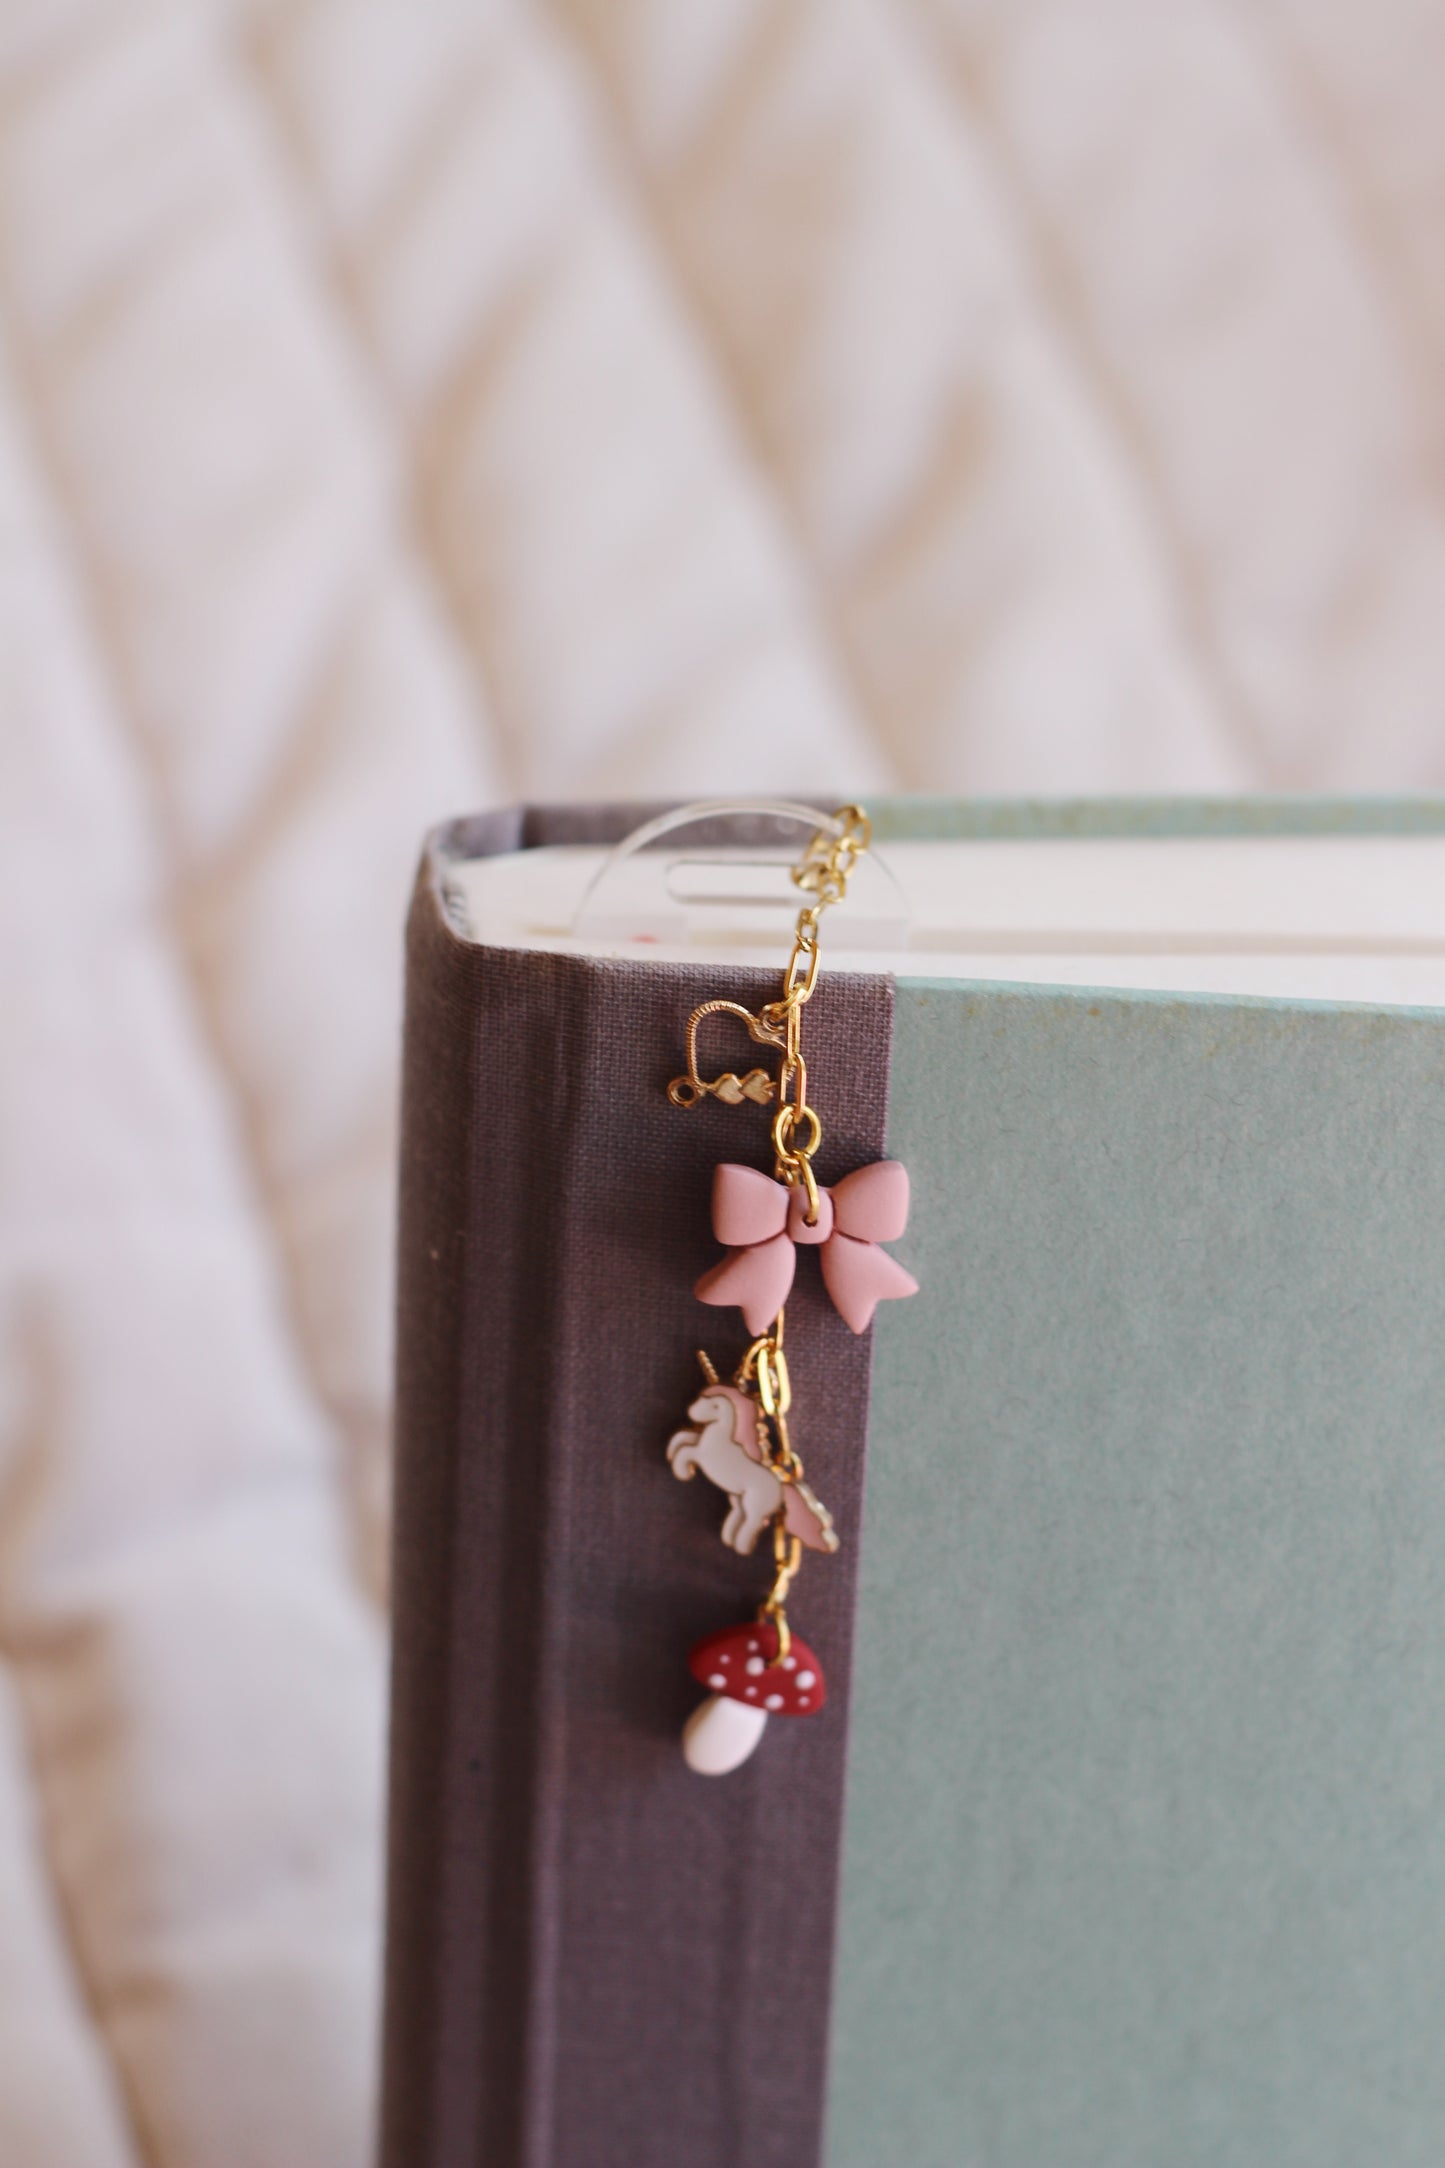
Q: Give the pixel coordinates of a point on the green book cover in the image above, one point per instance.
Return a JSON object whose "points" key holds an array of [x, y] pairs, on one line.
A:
{"points": [[1145, 1841]]}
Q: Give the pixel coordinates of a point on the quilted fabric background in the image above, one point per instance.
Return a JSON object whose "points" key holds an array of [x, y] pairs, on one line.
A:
{"points": [[408, 405]]}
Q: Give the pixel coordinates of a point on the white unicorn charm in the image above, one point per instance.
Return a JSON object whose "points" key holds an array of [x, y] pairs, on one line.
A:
{"points": [[729, 1446]]}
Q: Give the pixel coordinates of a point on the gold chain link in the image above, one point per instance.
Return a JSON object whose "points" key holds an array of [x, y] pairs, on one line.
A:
{"points": [[787, 1557], [766, 1362], [822, 872]]}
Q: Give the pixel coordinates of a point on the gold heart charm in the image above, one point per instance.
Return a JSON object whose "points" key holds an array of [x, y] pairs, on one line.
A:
{"points": [[757, 1085]]}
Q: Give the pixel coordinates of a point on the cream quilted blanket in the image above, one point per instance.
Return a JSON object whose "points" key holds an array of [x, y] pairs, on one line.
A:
{"points": [[406, 405]]}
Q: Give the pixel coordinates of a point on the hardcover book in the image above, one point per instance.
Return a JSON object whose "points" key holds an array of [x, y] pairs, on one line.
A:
{"points": [[1121, 1838]]}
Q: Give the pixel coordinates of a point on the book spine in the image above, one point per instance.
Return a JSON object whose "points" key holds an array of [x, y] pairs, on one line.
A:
{"points": [[593, 1954]]}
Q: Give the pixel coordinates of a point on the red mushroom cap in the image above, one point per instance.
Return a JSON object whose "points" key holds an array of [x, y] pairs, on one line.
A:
{"points": [[738, 1662]]}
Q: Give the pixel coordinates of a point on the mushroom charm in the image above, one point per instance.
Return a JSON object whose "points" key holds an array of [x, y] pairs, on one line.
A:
{"points": [[748, 1685]]}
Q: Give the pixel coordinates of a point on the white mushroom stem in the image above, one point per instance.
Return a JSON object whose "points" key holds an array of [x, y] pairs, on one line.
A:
{"points": [[720, 1734]]}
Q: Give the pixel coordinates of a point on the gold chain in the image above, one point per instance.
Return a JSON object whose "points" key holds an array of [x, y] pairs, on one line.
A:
{"points": [[822, 874], [766, 1362]]}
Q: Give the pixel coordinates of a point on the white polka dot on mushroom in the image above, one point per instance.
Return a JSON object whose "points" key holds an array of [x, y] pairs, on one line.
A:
{"points": [[717, 1680], [774, 1701], [790, 1663], [805, 1678], [756, 1666]]}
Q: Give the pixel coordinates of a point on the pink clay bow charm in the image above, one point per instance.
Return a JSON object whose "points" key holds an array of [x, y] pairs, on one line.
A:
{"points": [[761, 1220]]}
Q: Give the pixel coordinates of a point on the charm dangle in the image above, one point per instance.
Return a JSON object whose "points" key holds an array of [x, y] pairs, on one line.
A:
{"points": [[744, 1448], [737, 1434], [748, 1682], [761, 1220], [686, 1090]]}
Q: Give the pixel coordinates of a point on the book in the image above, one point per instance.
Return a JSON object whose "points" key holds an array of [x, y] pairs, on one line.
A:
{"points": [[1121, 1836]]}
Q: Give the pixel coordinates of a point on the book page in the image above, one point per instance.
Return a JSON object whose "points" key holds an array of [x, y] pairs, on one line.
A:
{"points": [[1356, 918]]}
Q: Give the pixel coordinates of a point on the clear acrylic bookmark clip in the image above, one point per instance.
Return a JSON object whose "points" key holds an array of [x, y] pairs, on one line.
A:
{"points": [[729, 883]]}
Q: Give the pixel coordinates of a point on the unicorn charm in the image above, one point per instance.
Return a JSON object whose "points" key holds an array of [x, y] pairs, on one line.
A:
{"points": [[729, 1445]]}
